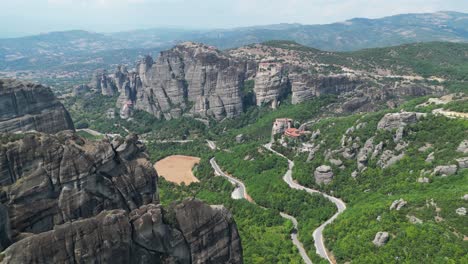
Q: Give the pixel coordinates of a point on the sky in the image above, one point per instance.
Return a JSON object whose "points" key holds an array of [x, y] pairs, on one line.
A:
{"points": [[26, 17]]}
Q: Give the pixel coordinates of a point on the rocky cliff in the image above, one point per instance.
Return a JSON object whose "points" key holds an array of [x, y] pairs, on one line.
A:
{"points": [[198, 80], [66, 199], [190, 78], [28, 106]]}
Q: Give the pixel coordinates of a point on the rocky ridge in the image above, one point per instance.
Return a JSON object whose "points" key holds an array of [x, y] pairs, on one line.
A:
{"points": [[199, 80], [27, 106]]}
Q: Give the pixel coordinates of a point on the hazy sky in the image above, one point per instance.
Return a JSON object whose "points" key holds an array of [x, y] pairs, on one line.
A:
{"points": [[22, 17]]}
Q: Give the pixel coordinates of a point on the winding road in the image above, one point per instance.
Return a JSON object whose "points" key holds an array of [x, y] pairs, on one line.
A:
{"points": [[241, 193], [340, 205]]}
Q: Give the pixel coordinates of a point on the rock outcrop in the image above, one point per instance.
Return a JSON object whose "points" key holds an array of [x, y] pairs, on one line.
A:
{"points": [[199, 234], [381, 238], [67, 199], [445, 170], [103, 83], [192, 78], [398, 204], [69, 178], [28, 106], [397, 120], [271, 84], [462, 162], [323, 174]]}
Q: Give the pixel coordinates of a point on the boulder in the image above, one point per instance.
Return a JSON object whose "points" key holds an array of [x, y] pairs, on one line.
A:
{"points": [[463, 147], [461, 211], [397, 120], [462, 162], [430, 158], [398, 204], [323, 174], [445, 170], [240, 138], [380, 239]]}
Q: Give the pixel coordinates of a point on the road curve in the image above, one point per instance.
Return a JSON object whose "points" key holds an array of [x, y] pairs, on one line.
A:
{"points": [[295, 239], [241, 193], [340, 205]]}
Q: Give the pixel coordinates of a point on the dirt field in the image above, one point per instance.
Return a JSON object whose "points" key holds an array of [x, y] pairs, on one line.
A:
{"points": [[177, 168]]}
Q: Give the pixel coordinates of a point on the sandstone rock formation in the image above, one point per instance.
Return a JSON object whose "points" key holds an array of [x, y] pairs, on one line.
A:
{"points": [[28, 106], [381, 238], [145, 235], [68, 178], [103, 83], [192, 78], [68, 200], [323, 174]]}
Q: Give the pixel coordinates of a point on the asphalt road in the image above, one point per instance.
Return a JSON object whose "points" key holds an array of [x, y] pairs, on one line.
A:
{"points": [[340, 205], [240, 191]]}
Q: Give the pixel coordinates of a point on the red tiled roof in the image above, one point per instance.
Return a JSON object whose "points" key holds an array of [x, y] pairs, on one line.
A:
{"points": [[293, 132]]}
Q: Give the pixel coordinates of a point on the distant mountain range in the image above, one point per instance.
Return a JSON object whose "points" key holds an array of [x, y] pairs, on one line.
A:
{"points": [[71, 47]]}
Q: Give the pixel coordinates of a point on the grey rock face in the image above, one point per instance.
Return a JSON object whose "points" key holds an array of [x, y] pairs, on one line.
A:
{"points": [[307, 86], [5, 232], [86, 201], [190, 77], [102, 83], [141, 236], [445, 170], [201, 223], [323, 174], [271, 83], [70, 178], [380, 239], [27, 106]]}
